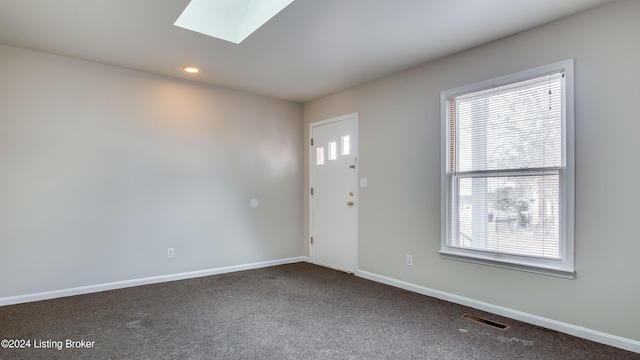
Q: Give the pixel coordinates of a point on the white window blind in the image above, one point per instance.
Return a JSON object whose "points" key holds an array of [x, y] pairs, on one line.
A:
{"points": [[518, 126], [506, 171]]}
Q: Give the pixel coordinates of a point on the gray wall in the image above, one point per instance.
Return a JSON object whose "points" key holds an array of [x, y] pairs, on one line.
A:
{"points": [[102, 169], [399, 211]]}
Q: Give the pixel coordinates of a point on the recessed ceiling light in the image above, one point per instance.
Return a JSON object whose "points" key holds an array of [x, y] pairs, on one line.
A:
{"points": [[230, 20], [190, 69]]}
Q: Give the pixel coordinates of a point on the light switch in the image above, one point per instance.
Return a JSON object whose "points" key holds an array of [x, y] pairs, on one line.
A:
{"points": [[363, 182]]}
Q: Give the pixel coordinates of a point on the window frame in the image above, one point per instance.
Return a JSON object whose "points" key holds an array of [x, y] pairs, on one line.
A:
{"points": [[564, 267]]}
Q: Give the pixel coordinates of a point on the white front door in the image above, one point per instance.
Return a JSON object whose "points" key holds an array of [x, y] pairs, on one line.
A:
{"points": [[333, 181]]}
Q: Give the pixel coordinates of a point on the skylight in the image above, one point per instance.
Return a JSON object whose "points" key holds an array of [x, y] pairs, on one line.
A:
{"points": [[230, 20]]}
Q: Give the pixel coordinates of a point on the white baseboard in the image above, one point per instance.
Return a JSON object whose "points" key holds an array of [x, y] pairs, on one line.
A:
{"points": [[581, 332], [11, 300]]}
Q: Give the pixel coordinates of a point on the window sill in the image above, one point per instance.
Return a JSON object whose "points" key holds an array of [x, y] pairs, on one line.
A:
{"points": [[506, 262]]}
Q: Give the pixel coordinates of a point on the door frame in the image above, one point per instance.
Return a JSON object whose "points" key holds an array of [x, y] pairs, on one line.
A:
{"points": [[354, 117]]}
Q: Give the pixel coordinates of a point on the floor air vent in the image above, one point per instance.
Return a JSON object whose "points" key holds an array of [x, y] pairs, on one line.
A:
{"points": [[485, 321]]}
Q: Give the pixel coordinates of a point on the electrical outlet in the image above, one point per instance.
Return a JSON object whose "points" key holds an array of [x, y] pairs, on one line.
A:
{"points": [[170, 253], [409, 260]]}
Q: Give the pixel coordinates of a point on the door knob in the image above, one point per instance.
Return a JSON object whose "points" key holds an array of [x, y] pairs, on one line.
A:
{"points": [[350, 203]]}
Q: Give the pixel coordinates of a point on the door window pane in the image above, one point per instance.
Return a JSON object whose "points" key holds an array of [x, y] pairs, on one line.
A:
{"points": [[320, 155], [332, 150], [345, 148]]}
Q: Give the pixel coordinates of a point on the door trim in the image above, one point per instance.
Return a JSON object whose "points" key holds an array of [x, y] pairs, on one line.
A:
{"points": [[353, 116]]}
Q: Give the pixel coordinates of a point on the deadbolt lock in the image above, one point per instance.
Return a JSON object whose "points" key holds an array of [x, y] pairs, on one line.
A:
{"points": [[351, 193]]}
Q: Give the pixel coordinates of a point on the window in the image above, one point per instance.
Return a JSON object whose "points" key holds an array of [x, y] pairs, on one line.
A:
{"points": [[320, 155], [333, 152], [346, 145], [508, 171]]}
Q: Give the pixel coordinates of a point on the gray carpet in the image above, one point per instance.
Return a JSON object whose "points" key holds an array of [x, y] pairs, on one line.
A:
{"points": [[296, 311]]}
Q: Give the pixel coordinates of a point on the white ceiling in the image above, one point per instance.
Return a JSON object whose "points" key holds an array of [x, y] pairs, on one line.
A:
{"points": [[311, 49]]}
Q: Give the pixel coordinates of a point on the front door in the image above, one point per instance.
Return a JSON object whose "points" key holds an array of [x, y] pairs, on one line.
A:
{"points": [[333, 181]]}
